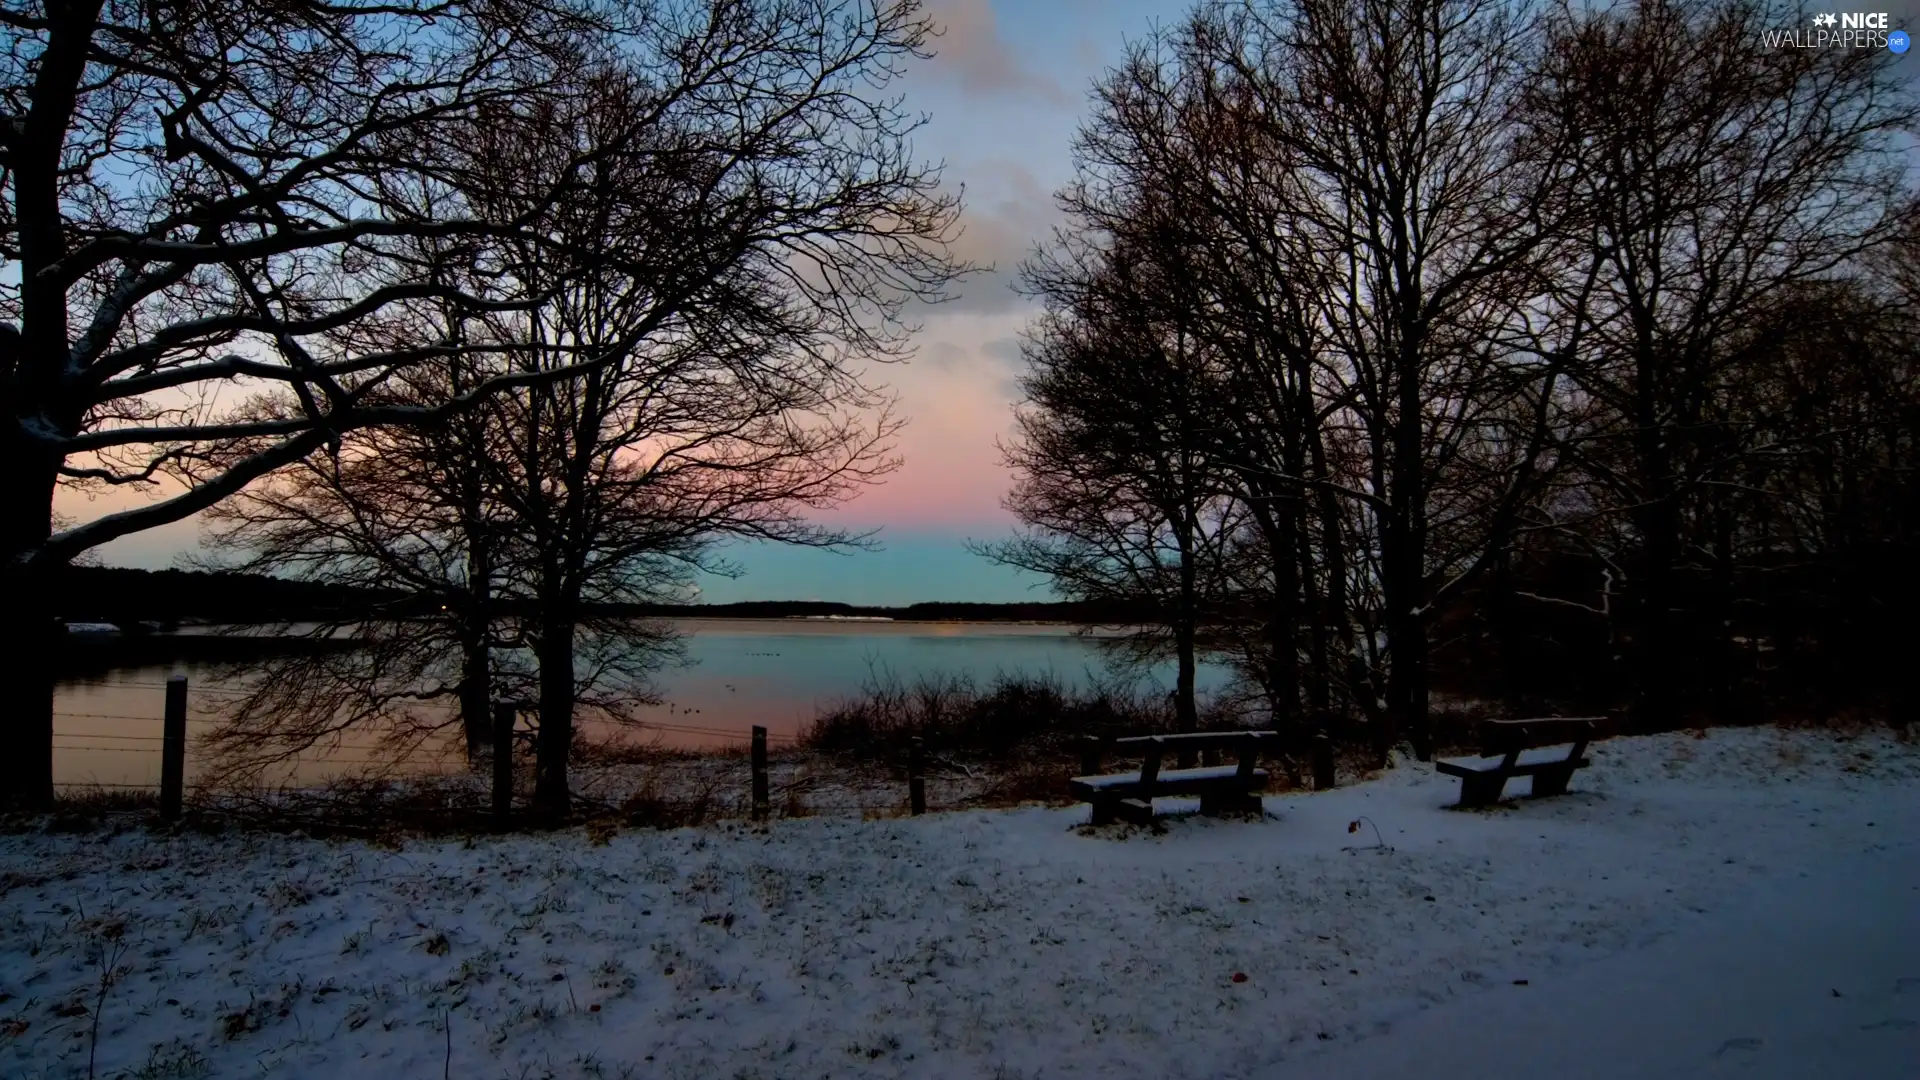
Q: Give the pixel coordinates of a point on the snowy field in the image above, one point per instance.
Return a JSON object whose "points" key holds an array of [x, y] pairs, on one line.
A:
{"points": [[1747, 904]]}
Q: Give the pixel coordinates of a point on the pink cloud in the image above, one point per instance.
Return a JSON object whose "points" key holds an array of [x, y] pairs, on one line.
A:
{"points": [[957, 396], [972, 52]]}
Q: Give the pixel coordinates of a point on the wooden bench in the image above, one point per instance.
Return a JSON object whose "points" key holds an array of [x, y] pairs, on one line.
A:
{"points": [[1547, 749], [1223, 789]]}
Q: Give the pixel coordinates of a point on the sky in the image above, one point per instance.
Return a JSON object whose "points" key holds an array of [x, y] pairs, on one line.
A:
{"points": [[1004, 95]]}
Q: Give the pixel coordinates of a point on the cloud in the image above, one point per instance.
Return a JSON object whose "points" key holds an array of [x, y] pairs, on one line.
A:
{"points": [[1006, 350], [1007, 212], [957, 397], [972, 52], [1087, 53], [945, 355], [992, 366]]}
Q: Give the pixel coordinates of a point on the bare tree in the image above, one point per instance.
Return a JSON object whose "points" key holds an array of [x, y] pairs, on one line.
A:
{"points": [[1429, 211], [1499, 296], [401, 511], [1374, 257], [1115, 475], [229, 196], [1175, 128], [209, 195], [746, 262], [731, 415], [1718, 176]]}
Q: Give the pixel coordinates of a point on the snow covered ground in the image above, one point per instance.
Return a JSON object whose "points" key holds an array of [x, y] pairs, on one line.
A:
{"points": [[1747, 904]]}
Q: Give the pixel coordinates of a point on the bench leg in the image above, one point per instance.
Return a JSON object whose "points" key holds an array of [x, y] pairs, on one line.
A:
{"points": [[1134, 811], [1230, 803], [1483, 789], [1103, 811], [1551, 782]]}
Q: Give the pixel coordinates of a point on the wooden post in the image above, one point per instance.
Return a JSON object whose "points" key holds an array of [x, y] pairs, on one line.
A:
{"points": [[173, 750], [1324, 777], [916, 780], [762, 802], [1091, 752], [504, 715]]}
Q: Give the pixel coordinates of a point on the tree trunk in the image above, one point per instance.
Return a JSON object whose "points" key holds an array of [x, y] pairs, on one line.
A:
{"points": [[1275, 519], [1186, 711], [1185, 631], [1725, 667], [32, 654], [476, 687], [1406, 570], [1656, 706], [1360, 688], [1318, 678], [34, 396], [551, 796], [1656, 689], [1515, 678], [476, 653], [1407, 690], [1403, 569]]}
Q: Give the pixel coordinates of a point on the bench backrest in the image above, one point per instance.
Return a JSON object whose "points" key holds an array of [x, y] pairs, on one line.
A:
{"points": [[1193, 740], [1508, 737], [1152, 748]]}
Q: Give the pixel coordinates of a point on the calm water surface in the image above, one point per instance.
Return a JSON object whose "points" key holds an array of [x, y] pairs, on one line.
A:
{"points": [[774, 672]]}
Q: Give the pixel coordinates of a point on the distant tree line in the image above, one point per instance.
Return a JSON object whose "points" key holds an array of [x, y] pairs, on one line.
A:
{"points": [[1549, 351], [116, 594], [126, 595]]}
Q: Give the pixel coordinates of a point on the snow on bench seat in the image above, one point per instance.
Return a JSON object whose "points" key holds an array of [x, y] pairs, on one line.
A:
{"points": [[1546, 755], [1205, 775]]}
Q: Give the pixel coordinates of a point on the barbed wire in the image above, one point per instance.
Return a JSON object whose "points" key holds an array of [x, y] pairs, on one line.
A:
{"points": [[647, 725], [66, 744], [155, 786], [315, 759], [227, 690], [397, 703], [888, 810], [129, 717], [230, 692]]}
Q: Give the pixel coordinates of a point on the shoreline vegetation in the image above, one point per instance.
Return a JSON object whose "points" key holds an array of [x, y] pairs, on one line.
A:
{"points": [[1009, 741]]}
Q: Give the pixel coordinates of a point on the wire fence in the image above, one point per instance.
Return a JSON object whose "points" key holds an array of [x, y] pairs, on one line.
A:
{"points": [[113, 745], [144, 753]]}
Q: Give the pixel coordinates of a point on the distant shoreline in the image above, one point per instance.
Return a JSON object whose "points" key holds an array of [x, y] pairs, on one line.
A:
{"points": [[124, 597]]}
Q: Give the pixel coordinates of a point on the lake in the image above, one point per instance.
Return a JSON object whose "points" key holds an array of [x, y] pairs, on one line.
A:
{"points": [[774, 672]]}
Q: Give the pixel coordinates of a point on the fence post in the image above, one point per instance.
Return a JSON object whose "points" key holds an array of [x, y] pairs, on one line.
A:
{"points": [[504, 715], [916, 778], [1092, 750], [762, 802], [173, 750], [1323, 764]]}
